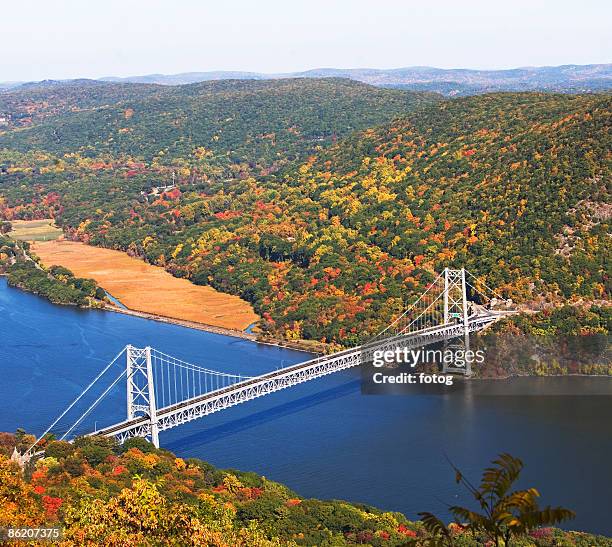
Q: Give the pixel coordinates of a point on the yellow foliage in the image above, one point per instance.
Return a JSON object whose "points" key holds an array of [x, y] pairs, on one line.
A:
{"points": [[177, 250]]}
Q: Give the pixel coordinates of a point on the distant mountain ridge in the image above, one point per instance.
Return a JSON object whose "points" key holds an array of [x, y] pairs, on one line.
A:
{"points": [[581, 78], [449, 82]]}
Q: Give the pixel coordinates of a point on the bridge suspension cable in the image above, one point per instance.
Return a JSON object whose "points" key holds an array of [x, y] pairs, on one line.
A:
{"points": [[94, 405], [427, 316], [434, 305], [77, 399], [492, 291], [168, 381], [176, 380], [414, 311]]}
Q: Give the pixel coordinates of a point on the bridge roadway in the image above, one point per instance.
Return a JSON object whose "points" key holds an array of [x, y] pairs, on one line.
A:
{"points": [[214, 401]]}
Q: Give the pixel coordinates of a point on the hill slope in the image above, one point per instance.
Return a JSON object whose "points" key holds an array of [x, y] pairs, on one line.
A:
{"points": [[235, 121], [32, 103], [101, 493], [515, 187]]}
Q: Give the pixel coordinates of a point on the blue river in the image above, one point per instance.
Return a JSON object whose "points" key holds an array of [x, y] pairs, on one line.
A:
{"points": [[324, 438]]}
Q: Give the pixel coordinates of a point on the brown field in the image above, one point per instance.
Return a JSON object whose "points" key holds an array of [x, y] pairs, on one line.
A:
{"points": [[146, 288], [34, 230]]}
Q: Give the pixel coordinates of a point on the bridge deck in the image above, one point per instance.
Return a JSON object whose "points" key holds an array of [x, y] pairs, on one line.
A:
{"points": [[292, 375]]}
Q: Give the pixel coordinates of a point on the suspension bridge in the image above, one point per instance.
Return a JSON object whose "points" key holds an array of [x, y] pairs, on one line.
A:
{"points": [[163, 391]]}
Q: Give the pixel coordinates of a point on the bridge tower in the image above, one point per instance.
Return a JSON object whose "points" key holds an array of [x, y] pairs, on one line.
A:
{"points": [[141, 388], [456, 311]]}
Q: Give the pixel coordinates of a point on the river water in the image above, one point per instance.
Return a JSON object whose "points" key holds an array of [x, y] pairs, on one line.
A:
{"points": [[324, 438]]}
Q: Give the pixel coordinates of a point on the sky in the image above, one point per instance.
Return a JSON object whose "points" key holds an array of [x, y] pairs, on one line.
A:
{"points": [[57, 39]]}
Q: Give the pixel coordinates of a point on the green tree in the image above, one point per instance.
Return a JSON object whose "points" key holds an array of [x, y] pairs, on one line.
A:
{"points": [[505, 514]]}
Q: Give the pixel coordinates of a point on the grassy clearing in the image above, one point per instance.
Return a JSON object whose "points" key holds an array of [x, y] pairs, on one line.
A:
{"points": [[146, 288], [35, 230]]}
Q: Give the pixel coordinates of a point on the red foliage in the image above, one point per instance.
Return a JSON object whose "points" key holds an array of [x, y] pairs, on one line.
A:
{"points": [[455, 528], [39, 489], [418, 259], [266, 315], [51, 506], [38, 475], [173, 194], [251, 493], [369, 287], [224, 215], [51, 198], [402, 529]]}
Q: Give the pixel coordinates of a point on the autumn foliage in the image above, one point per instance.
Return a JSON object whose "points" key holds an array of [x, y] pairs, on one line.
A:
{"points": [[329, 242]]}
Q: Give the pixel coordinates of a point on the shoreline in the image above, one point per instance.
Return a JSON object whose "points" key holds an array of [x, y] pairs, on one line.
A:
{"points": [[296, 346], [181, 323], [209, 328]]}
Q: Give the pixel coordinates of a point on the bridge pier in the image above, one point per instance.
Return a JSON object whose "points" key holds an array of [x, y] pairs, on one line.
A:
{"points": [[456, 311], [152, 406], [141, 389]]}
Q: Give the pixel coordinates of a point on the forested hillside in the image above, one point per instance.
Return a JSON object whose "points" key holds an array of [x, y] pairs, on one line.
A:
{"points": [[101, 493], [258, 124], [29, 104], [515, 187]]}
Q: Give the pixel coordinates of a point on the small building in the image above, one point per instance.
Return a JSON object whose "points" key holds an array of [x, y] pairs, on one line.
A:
{"points": [[20, 459], [158, 190]]}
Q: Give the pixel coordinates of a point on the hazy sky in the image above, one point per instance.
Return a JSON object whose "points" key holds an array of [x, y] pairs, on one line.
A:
{"points": [[92, 38]]}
